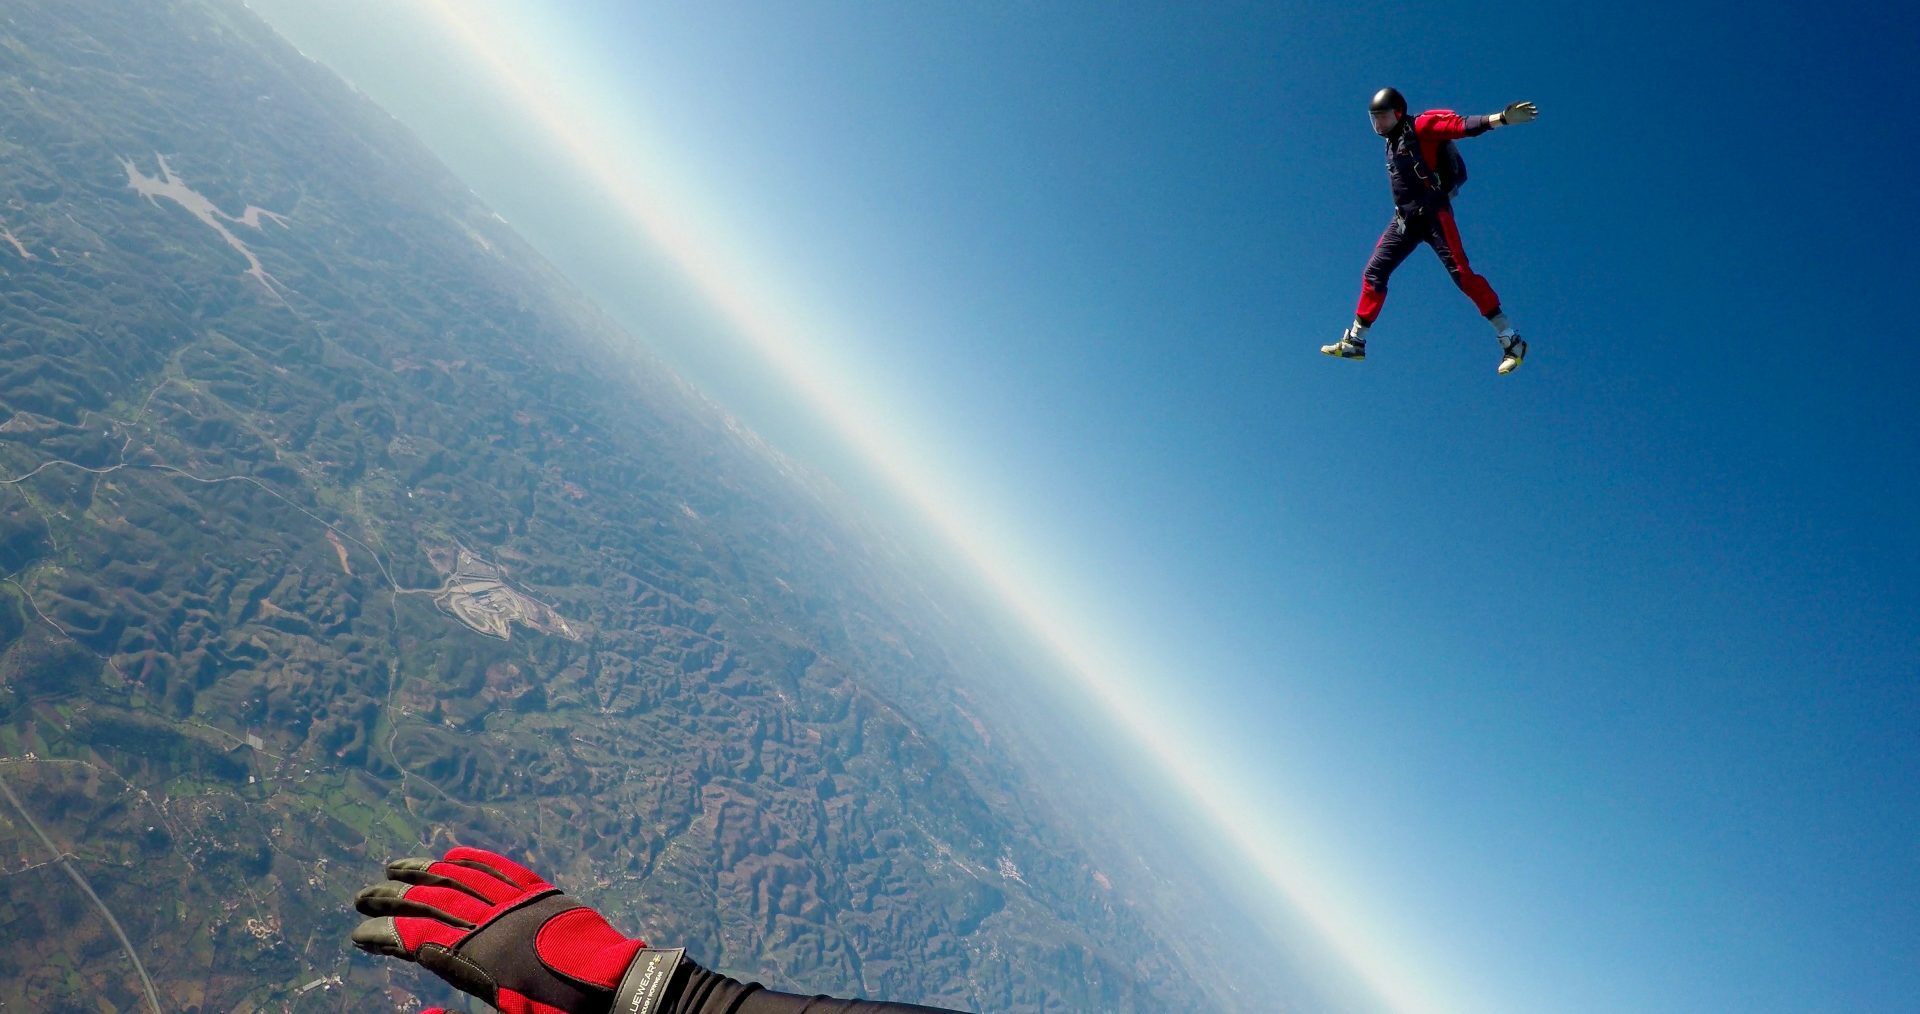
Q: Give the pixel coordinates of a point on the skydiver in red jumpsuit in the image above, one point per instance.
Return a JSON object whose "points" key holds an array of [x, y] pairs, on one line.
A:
{"points": [[1418, 166]]}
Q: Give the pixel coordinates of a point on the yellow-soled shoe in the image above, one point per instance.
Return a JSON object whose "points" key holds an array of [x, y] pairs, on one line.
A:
{"points": [[1516, 353], [1346, 348]]}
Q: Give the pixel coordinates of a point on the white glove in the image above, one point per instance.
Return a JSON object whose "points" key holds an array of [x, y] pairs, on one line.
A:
{"points": [[1518, 112]]}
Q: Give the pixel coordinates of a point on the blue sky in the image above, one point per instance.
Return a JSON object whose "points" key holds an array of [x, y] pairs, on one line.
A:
{"points": [[1596, 687]]}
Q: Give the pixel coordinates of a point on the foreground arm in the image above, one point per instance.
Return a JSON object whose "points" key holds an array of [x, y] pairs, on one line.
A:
{"points": [[712, 993], [496, 930]]}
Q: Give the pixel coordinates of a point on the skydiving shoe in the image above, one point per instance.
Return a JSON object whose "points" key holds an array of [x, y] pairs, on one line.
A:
{"points": [[1514, 352], [1351, 345]]}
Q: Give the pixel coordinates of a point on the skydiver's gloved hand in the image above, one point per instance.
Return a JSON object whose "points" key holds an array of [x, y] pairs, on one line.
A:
{"points": [[494, 929], [1518, 112]]}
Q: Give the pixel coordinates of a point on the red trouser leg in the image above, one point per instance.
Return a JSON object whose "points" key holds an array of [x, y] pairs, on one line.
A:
{"points": [[1446, 243]]}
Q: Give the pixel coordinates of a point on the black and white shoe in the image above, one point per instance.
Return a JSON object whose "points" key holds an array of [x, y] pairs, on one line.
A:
{"points": [[1513, 350], [1348, 347]]}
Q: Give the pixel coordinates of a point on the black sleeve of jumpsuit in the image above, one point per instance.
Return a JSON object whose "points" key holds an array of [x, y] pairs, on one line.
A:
{"points": [[705, 992]]}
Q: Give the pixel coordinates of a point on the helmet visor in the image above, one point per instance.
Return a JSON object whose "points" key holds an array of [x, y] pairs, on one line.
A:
{"points": [[1384, 120]]}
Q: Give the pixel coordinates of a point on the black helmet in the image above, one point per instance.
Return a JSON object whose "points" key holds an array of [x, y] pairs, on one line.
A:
{"points": [[1388, 98]]}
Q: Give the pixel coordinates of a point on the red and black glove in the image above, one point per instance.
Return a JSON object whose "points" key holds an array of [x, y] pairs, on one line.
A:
{"points": [[494, 929]]}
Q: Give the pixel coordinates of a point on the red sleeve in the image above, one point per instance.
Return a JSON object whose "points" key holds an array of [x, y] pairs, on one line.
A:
{"points": [[1439, 125], [1442, 125]]}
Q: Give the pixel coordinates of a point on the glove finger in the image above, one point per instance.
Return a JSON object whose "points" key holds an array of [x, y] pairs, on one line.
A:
{"points": [[488, 887], [380, 936], [418, 870], [403, 936], [498, 865], [457, 908]]}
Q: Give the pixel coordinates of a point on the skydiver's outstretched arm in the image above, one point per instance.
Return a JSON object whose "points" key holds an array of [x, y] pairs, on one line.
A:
{"points": [[1447, 125], [495, 929]]}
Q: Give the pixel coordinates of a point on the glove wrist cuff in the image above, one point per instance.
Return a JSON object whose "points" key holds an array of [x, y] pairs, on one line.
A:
{"points": [[645, 987]]}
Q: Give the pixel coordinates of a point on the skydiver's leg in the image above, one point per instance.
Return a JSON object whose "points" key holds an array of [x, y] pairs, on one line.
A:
{"points": [[1394, 245], [1445, 238]]}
